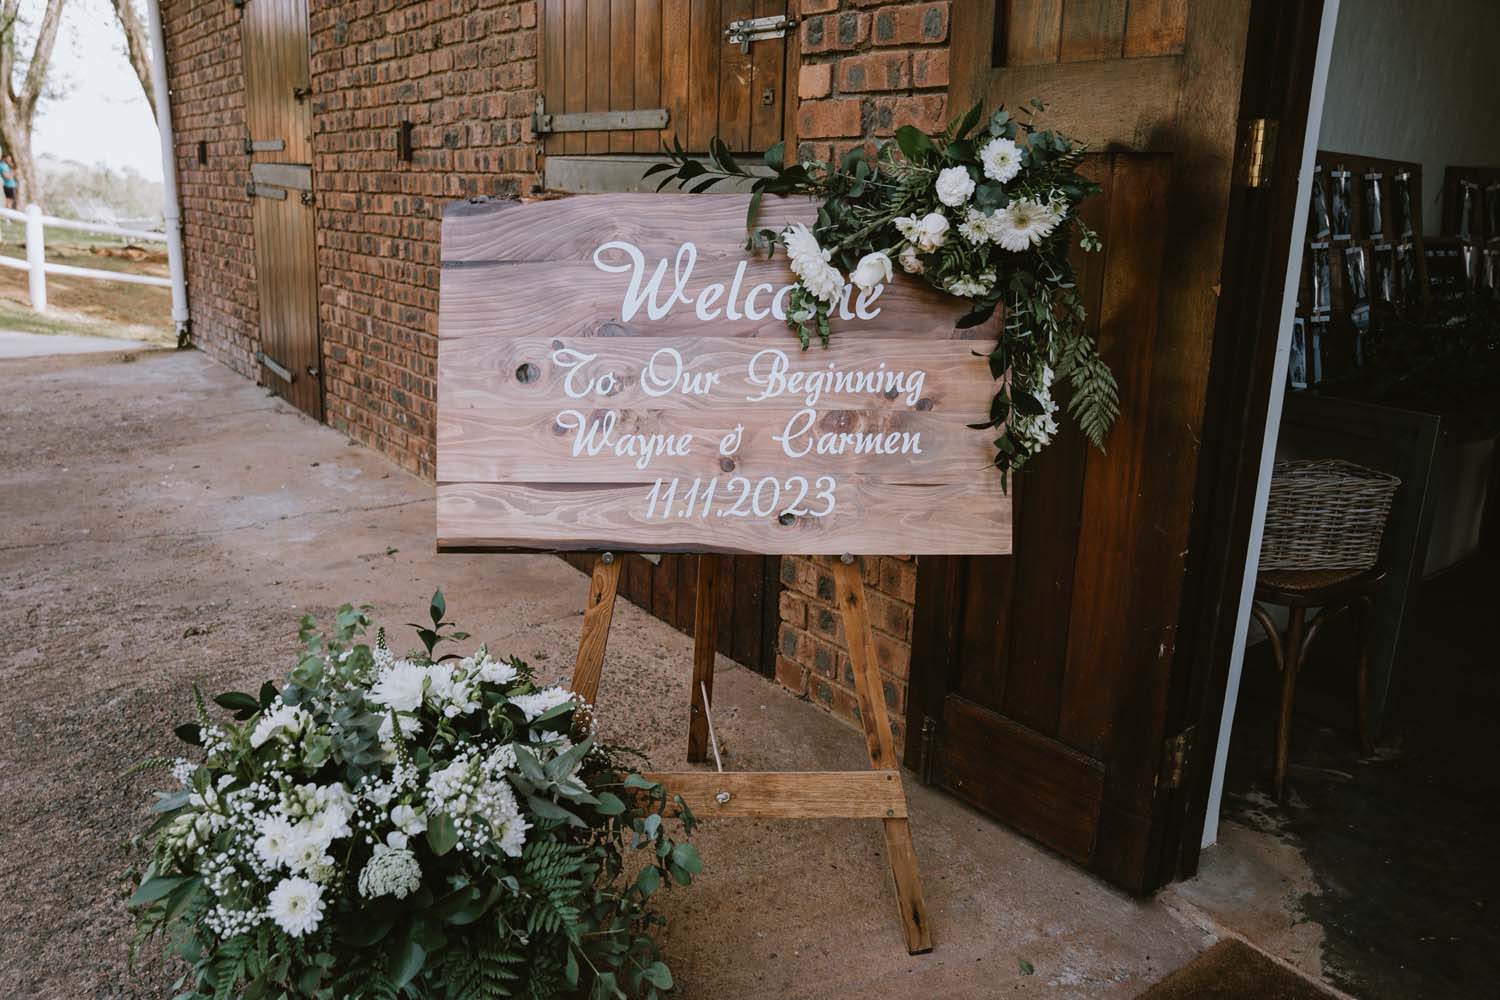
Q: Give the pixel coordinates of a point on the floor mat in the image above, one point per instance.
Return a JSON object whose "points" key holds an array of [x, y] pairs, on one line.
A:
{"points": [[1232, 970]]}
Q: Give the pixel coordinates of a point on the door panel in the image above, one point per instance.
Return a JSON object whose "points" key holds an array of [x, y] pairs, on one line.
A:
{"points": [[636, 55], [278, 114], [1041, 679]]}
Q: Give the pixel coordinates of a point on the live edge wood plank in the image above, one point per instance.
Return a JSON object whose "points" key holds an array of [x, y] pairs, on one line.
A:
{"points": [[788, 794]]}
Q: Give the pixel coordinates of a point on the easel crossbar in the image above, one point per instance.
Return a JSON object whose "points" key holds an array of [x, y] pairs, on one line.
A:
{"points": [[787, 794]]}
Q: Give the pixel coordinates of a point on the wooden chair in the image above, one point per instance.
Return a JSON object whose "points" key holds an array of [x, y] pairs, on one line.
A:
{"points": [[1335, 591]]}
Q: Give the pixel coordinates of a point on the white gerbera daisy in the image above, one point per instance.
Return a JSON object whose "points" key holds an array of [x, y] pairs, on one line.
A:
{"points": [[1024, 223], [1001, 159], [296, 906]]}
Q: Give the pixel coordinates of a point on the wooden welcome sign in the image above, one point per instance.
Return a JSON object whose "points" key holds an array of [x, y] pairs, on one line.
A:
{"points": [[615, 374]]}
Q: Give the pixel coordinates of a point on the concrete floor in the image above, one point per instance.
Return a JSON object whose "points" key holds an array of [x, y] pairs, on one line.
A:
{"points": [[164, 521], [19, 344]]}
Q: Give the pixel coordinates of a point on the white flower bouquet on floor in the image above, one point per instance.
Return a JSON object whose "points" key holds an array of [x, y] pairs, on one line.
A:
{"points": [[988, 214], [428, 826]]}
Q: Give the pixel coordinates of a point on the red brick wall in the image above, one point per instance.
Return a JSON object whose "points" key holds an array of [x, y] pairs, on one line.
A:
{"points": [[207, 82], [463, 72], [868, 67]]}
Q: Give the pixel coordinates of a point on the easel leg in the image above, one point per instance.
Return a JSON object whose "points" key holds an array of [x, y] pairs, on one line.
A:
{"points": [[597, 615], [705, 628], [850, 586]]}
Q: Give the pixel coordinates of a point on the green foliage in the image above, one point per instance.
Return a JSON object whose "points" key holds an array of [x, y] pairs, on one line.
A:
{"points": [[871, 203], [567, 913]]}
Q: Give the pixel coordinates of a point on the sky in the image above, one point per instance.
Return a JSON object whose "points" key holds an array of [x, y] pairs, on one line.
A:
{"points": [[100, 114]]}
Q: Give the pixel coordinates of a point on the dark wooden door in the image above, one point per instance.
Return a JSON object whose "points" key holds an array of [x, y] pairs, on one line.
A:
{"points": [[749, 598], [1041, 680], [638, 55], [278, 114]]}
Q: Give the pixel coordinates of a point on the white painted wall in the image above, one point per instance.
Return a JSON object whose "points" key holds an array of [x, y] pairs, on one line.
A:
{"points": [[1416, 81], [1315, 112]]}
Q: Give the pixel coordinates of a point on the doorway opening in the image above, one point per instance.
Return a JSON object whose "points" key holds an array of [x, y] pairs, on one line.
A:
{"points": [[1370, 865]]}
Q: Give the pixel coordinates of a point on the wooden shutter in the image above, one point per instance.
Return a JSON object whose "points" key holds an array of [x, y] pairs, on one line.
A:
{"points": [[638, 55]]}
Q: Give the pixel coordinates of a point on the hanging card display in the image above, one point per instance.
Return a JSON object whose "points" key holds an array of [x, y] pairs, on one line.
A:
{"points": [[1317, 222], [1374, 221], [1403, 205], [1342, 213]]}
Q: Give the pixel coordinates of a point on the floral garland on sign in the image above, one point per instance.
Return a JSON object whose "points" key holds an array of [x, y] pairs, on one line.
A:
{"points": [[433, 827], [987, 216]]}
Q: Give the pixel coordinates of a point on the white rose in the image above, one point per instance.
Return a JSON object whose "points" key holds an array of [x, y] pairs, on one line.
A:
{"points": [[874, 269], [932, 232], [954, 186], [910, 262]]}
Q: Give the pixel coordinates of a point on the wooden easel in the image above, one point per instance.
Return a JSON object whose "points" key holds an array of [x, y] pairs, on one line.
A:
{"points": [[873, 794]]}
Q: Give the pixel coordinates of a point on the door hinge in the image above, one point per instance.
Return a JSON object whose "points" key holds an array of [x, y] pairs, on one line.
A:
{"points": [[544, 122], [1175, 754], [280, 371], [757, 29], [1257, 151], [929, 748]]}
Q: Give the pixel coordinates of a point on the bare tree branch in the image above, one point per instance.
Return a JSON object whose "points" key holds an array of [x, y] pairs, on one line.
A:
{"points": [[137, 47], [18, 105]]}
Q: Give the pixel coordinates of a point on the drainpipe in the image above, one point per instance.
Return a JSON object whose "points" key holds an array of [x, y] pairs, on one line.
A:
{"points": [[170, 210]]}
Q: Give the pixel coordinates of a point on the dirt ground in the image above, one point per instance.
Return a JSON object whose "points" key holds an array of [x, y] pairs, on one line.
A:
{"points": [[163, 521], [89, 306]]}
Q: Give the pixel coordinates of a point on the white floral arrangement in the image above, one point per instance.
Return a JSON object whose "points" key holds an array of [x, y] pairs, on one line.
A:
{"points": [[989, 216], [420, 826]]}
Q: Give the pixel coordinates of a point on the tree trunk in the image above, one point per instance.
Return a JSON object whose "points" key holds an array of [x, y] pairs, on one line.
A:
{"points": [[18, 98], [137, 47]]}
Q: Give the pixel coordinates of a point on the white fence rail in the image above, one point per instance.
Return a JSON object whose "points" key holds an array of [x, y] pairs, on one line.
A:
{"points": [[38, 267]]}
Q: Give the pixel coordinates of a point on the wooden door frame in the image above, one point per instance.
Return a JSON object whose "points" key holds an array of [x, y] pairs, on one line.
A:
{"points": [[1273, 76]]}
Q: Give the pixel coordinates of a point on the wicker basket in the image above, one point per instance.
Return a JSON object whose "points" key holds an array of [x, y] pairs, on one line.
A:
{"points": [[1325, 514]]}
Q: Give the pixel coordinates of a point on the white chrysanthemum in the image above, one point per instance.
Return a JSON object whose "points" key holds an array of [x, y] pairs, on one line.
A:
{"points": [[279, 720], [1001, 159], [408, 820], [391, 871], [874, 269], [308, 851], [972, 286], [810, 263], [908, 226], [976, 227], [410, 726], [539, 702], [401, 686], [452, 690], [513, 835], [496, 671], [910, 262], [954, 186], [931, 232], [1024, 223], [277, 841], [296, 905]]}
